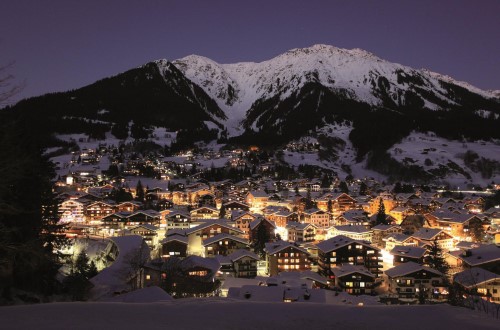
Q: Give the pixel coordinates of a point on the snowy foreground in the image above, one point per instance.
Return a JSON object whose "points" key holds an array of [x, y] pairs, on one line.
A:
{"points": [[228, 314]]}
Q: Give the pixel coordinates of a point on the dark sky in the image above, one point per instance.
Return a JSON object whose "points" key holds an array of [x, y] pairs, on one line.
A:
{"points": [[64, 44]]}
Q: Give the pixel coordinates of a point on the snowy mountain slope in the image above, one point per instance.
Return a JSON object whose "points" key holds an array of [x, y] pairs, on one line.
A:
{"points": [[355, 74]]}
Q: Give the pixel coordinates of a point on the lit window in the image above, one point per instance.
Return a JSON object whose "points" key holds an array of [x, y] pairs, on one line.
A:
{"points": [[148, 277]]}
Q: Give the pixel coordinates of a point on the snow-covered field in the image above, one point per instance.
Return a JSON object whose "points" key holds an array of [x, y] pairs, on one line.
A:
{"points": [[227, 314], [419, 146]]}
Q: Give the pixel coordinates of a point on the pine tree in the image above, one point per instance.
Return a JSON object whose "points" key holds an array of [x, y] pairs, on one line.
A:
{"points": [[435, 258], [139, 192], [381, 218], [363, 189], [222, 212], [343, 187], [261, 240]]}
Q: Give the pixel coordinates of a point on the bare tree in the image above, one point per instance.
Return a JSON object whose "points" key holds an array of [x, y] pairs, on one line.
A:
{"points": [[8, 86]]}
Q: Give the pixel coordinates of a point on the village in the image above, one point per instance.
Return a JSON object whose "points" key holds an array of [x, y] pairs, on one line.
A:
{"points": [[239, 223]]}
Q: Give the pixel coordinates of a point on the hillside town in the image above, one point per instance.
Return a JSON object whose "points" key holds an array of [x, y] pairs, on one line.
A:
{"points": [[254, 228]]}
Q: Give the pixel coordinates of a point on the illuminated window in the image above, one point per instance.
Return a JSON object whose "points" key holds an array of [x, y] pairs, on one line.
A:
{"points": [[362, 284], [148, 277]]}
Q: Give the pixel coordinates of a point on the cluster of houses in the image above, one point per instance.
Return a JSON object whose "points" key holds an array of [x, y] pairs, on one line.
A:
{"points": [[300, 228]]}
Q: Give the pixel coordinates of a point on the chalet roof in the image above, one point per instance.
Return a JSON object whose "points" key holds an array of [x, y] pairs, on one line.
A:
{"points": [[275, 247], [149, 213], [146, 226], [409, 268], [313, 211], [400, 209], [283, 213], [354, 215], [238, 254], [427, 234], [352, 229], [481, 255], [177, 238], [298, 225], [408, 251], [176, 231], [257, 221], [454, 217], [332, 196], [348, 269], [223, 236], [212, 209], [195, 261], [396, 237], [207, 224], [474, 277], [258, 193], [338, 242], [177, 212], [223, 260], [384, 227]]}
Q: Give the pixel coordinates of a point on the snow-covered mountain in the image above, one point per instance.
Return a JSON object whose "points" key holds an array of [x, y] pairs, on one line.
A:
{"points": [[355, 74]]}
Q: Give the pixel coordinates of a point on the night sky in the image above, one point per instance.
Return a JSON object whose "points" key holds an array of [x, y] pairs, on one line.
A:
{"points": [[64, 44]]}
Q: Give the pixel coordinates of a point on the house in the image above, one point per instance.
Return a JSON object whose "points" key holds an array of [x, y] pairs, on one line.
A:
{"points": [[480, 281], [235, 205], [379, 232], [174, 244], [404, 254], [242, 220], [97, 210], [412, 281], [355, 232], [223, 244], [178, 220], [244, 263], [400, 212], [394, 240], [130, 206], [301, 232], [282, 217], [352, 217], [485, 256], [317, 217], [254, 226], [353, 279], [125, 256], [458, 225], [257, 199], [284, 256], [149, 234], [198, 234], [142, 217], [204, 212], [71, 210], [429, 235], [339, 202], [340, 250]]}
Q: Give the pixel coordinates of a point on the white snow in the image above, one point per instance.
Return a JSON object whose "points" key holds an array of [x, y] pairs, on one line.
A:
{"points": [[422, 146], [232, 314], [335, 68]]}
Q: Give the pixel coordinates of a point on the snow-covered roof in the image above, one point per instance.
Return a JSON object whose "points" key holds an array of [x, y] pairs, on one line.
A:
{"points": [[408, 251], [275, 247], [238, 254], [409, 268], [427, 234], [339, 241], [348, 269], [475, 276], [207, 224], [298, 225], [382, 227], [352, 229], [481, 255], [132, 251], [223, 236]]}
